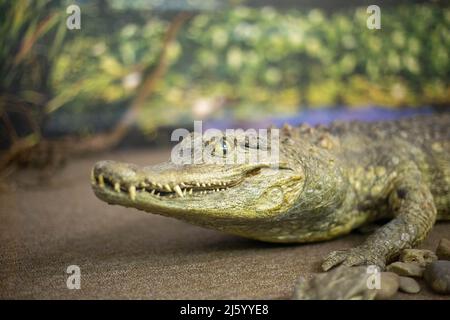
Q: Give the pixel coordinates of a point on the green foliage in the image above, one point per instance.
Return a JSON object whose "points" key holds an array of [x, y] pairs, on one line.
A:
{"points": [[329, 59], [24, 24], [259, 60]]}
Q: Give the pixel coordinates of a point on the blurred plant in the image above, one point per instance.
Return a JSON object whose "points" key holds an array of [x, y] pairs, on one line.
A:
{"points": [[244, 62], [68, 76], [330, 58], [261, 59], [32, 33]]}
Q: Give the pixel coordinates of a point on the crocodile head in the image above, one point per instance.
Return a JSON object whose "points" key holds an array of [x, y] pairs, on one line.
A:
{"points": [[228, 196]]}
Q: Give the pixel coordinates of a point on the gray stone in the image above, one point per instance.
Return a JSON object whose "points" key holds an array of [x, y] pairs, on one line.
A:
{"points": [[409, 285], [407, 269], [342, 283], [443, 249], [437, 276], [389, 286], [419, 256]]}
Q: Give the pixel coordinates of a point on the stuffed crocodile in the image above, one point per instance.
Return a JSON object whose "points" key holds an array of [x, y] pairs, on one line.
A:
{"points": [[327, 182]]}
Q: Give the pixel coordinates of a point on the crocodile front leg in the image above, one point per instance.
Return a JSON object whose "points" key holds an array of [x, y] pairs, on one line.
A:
{"points": [[412, 204]]}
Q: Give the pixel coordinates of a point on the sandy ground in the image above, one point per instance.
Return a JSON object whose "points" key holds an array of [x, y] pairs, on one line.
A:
{"points": [[124, 253]]}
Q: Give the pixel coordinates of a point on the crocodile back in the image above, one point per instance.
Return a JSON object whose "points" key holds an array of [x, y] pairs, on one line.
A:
{"points": [[430, 133]]}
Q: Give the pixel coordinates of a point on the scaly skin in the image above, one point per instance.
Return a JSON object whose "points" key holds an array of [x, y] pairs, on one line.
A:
{"points": [[330, 181]]}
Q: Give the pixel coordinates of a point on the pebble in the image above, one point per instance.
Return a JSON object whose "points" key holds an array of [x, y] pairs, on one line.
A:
{"points": [[341, 283], [389, 286], [443, 249], [409, 285], [419, 256], [408, 269], [437, 276]]}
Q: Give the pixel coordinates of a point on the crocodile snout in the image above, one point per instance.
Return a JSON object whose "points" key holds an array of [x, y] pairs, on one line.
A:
{"points": [[115, 171]]}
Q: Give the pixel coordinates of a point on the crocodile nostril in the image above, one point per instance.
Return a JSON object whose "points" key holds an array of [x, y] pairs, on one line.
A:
{"points": [[116, 171], [102, 166]]}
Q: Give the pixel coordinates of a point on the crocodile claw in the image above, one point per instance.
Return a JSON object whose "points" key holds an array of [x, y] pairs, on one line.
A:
{"points": [[354, 257]]}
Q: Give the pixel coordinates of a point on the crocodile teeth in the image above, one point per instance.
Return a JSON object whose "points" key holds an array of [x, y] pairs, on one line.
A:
{"points": [[92, 176], [143, 185], [190, 191], [203, 185], [153, 191], [101, 181], [197, 184], [178, 190], [117, 187], [167, 187], [184, 192], [182, 185], [132, 192], [159, 185]]}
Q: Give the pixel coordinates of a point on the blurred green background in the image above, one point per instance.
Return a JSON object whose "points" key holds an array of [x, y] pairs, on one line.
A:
{"points": [[224, 59]]}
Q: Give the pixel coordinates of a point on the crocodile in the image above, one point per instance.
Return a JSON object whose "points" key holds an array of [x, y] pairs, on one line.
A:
{"points": [[326, 182]]}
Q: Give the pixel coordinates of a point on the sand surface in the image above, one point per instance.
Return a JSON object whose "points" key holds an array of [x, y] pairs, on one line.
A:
{"points": [[125, 253]]}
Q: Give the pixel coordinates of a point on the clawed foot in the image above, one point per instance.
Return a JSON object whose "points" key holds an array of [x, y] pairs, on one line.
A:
{"points": [[354, 257]]}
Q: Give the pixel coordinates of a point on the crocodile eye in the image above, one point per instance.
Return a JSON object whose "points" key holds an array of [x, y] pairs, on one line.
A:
{"points": [[222, 148], [252, 145]]}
